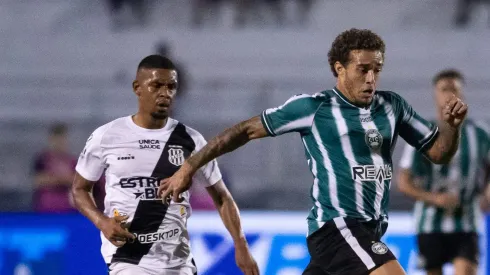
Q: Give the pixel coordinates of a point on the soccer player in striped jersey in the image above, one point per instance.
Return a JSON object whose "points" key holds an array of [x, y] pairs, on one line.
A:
{"points": [[140, 235], [348, 133], [447, 211]]}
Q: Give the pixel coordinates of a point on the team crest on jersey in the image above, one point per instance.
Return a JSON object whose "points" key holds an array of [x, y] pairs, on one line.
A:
{"points": [[374, 139], [379, 248], [176, 156]]}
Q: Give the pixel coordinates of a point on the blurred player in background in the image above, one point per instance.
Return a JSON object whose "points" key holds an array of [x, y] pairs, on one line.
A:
{"points": [[447, 211], [348, 133], [140, 235]]}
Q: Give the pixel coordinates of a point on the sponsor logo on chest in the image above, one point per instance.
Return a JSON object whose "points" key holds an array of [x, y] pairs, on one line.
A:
{"points": [[158, 236], [149, 144], [144, 188], [378, 173]]}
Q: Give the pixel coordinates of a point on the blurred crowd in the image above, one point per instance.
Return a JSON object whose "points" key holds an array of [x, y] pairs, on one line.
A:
{"points": [[210, 12], [247, 13]]}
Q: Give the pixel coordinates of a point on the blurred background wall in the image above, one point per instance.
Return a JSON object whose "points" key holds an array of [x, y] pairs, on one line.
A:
{"points": [[73, 61]]}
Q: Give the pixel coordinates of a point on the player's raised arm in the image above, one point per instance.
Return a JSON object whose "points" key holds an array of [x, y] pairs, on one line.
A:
{"points": [[439, 143], [229, 140], [296, 115], [447, 142], [228, 211]]}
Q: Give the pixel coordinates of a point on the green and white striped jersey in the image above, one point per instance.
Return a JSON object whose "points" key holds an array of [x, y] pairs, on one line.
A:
{"points": [[464, 175], [349, 149]]}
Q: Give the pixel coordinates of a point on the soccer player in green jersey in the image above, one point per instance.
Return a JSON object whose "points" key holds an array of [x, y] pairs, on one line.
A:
{"points": [[348, 133], [447, 211]]}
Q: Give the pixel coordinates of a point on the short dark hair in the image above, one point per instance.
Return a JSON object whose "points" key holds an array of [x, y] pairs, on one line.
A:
{"points": [[156, 61], [353, 39], [58, 129], [448, 73]]}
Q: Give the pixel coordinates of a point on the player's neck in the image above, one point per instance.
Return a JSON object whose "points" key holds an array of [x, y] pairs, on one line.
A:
{"points": [[148, 122], [344, 91]]}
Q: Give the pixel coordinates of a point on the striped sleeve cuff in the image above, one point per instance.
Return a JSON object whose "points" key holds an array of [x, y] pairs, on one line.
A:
{"points": [[429, 139], [267, 124]]}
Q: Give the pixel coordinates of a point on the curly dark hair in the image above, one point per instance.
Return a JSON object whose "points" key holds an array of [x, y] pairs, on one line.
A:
{"points": [[353, 39], [448, 73]]}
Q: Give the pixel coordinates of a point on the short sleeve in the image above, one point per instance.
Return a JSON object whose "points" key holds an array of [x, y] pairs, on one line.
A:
{"points": [[486, 132], [414, 129], [295, 115], [90, 163], [210, 173], [412, 160]]}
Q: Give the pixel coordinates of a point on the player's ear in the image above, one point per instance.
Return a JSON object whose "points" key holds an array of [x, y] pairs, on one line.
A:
{"points": [[339, 68], [136, 88]]}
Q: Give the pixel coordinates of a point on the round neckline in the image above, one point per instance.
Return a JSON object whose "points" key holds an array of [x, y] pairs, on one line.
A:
{"points": [[346, 100], [134, 126]]}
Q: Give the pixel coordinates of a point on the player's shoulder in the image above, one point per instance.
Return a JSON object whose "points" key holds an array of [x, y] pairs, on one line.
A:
{"points": [[308, 99], [389, 96], [192, 132], [114, 126]]}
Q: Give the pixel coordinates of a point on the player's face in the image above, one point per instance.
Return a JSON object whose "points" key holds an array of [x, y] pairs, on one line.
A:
{"points": [[359, 77], [156, 89], [445, 88]]}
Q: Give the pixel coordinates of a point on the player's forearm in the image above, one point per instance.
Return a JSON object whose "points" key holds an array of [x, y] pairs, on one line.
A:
{"points": [[417, 193], [230, 216], [445, 145], [85, 203], [406, 185], [231, 139]]}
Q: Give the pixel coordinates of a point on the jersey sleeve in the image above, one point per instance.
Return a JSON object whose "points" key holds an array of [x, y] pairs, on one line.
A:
{"points": [[296, 115], [486, 133], [414, 129], [412, 160], [90, 163], [210, 173]]}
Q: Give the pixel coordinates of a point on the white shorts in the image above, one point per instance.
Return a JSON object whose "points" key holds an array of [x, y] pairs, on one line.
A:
{"points": [[131, 269]]}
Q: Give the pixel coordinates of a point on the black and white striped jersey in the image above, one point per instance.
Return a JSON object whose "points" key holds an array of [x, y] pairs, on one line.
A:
{"points": [[134, 160]]}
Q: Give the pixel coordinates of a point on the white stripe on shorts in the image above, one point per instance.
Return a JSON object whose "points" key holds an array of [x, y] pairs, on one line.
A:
{"points": [[354, 244]]}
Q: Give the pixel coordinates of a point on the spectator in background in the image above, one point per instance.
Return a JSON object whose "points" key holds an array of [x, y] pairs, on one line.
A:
{"points": [[276, 9], [249, 12], [54, 171], [137, 7], [464, 10], [205, 10], [304, 11]]}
